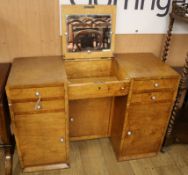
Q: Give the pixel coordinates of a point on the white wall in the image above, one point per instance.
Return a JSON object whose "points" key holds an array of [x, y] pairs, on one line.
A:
{"points": [[152, 18]]}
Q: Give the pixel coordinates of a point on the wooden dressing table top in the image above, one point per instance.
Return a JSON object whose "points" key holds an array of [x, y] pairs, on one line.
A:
{"points": [[146, 67], [40, 71]]}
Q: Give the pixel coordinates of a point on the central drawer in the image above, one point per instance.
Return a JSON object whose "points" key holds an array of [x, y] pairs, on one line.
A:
{"points": [[94, 90]]}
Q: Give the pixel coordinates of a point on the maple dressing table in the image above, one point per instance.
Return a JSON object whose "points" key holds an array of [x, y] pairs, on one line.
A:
{"points": [[89, 93]]}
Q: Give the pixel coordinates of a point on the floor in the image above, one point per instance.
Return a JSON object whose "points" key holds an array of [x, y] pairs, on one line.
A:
{"points": [[96, 157]]}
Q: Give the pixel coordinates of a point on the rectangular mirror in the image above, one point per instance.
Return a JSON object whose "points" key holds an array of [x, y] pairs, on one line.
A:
{"points": [[87, 33]]}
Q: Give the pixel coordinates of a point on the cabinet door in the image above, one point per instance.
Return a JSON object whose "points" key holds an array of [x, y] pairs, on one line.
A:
{"points": [[90, 118], [41, 138], [145, 129]]}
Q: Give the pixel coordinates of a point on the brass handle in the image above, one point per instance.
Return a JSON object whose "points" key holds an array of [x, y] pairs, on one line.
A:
{"points": [[122, 88], [72, 119], [156, 84], [153, 97]]}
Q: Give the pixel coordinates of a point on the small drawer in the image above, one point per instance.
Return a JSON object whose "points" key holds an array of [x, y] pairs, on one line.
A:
{"points": [[34, 93], [42, 106], [81, 91], [152, 97], [154, 84]]}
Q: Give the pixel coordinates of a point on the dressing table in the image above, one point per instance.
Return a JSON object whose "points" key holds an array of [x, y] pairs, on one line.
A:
{"points": [[88, 93]]}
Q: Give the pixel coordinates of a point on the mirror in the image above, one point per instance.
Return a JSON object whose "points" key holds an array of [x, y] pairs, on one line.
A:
{"points": [[87, 33]]}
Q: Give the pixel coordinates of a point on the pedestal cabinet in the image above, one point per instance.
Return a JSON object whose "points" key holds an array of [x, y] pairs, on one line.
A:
{"points": [[37, 96], [142, 125]]}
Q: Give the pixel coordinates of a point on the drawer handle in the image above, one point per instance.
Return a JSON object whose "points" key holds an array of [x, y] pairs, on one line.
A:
{"points": [[122, 88], [37, 94], [156, 85], [129, 133], [71, 119], [153, 97], [62, 140], [38, 105]]}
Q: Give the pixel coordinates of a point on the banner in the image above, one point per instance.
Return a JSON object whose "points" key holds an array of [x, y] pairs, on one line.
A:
{"points": [[139, 16]]}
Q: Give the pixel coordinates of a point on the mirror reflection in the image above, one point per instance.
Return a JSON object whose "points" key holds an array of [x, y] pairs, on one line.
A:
{"points": [[88, 33]]}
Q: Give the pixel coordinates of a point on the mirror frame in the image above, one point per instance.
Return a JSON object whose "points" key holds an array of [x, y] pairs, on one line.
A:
{"points": [[87, 10]]}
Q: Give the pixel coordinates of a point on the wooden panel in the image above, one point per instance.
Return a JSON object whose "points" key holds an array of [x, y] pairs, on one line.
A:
{"points": [[38, 71], [46, 106], [93, 90], [90, 117], [29, 28], [118, 122], [154, 84], [147, 124], [30, 93], [27, 31], [88, 68], [129, 43], [39, 138], [144, 66], [152, 97]]}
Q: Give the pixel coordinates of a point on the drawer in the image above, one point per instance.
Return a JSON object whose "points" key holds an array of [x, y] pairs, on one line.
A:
{"points": [[155, 84], [43, 106], [33, 93], [93, 90], [151, 97]]}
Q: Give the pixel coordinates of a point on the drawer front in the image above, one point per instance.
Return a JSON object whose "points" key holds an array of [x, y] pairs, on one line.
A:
{"points": [[154, 84], [145, 128], [42, 106], [42, 138], [82, 91], [34, 93], [152, 97]]}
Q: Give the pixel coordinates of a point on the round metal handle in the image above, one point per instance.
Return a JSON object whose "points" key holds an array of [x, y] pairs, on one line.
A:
{"points": [[72, 119], [153, 97], [37, 93], [61, 139], [129, 133], [156, 85], [122, 88]]}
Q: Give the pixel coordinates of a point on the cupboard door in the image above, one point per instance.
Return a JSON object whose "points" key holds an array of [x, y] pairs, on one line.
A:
{"points": [[90, 118], [41, 138], [145, 129]]}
